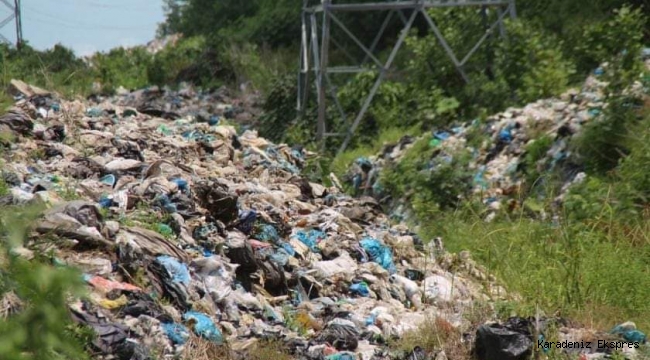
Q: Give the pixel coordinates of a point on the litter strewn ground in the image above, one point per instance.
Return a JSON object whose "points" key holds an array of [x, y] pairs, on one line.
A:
{"points": [[187, 230]]}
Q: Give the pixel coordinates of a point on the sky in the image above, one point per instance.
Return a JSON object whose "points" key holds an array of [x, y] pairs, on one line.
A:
{"points": [[86, 26]]}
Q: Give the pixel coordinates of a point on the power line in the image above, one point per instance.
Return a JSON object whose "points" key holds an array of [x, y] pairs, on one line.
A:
{"points": [[78, 25], [109, 6]]}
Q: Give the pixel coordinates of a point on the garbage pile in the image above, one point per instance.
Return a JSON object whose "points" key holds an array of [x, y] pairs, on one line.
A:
{"points": [[499, 161], [213, 107], [186, 229]]}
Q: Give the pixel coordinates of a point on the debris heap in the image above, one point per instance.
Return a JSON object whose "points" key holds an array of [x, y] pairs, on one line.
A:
{"points": [[185, 229]]}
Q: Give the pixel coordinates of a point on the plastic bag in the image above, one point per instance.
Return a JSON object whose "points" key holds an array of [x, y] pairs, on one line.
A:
{"points": [[311, 238], [246, 221], [510, 341], [629, 332], [379, 253], [360, 289], [342, 334], [204, 326], [179, 271], [105, 286], [268, 233], [177, 333]]}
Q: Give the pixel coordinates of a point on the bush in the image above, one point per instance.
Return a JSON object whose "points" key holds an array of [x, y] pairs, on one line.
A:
{"points": [[532, 63], [429, 184], [122, 67], [37, 325], [279, 109], [190, 60], [617, 41], [604, 141]]}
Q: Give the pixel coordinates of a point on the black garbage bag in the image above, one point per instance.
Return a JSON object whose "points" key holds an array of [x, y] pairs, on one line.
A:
{"points": [[128, 149], [109, 336], [17, 121], [510, 341], [139, 304], [216, 198], [84, 168], [162, 281], [342, 334], [152, 110], [306, 193], [129, 350]]}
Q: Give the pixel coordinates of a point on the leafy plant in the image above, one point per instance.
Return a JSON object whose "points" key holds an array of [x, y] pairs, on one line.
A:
{"points": [[38, 330]]}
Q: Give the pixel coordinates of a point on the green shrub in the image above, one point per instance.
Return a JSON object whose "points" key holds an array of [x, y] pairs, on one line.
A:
{"points": [[39, 329], [190, 60], [532, 63], [605, 139], [279, 109], [122, 67], [429, 183], [618, 41], [258, 65]]}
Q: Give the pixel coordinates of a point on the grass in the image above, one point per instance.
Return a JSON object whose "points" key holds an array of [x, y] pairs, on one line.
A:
{"points": [[584, 272], [269, 350], [198, 348], [4, 188], [146, 218], [433, 335], [341, 163]]}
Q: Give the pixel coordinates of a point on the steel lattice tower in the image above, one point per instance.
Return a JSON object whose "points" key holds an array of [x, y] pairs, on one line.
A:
{"points": [[14, 15], [315, 46]]}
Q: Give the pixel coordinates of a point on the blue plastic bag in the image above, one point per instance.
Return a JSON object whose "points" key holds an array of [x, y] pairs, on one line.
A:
{"points": [[177, 333], [108, 180], [311, 238], [105, 202], [288, 248], [246, 221], [280, 257], [268, 233], [356, 181], [204, 326], [342, 356], [629, 334], [505, 134], [214, 120], [379, 253], [360, 289], [363, 162], [182, 184], [441, 135], [164, 202], [179, 271]]}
